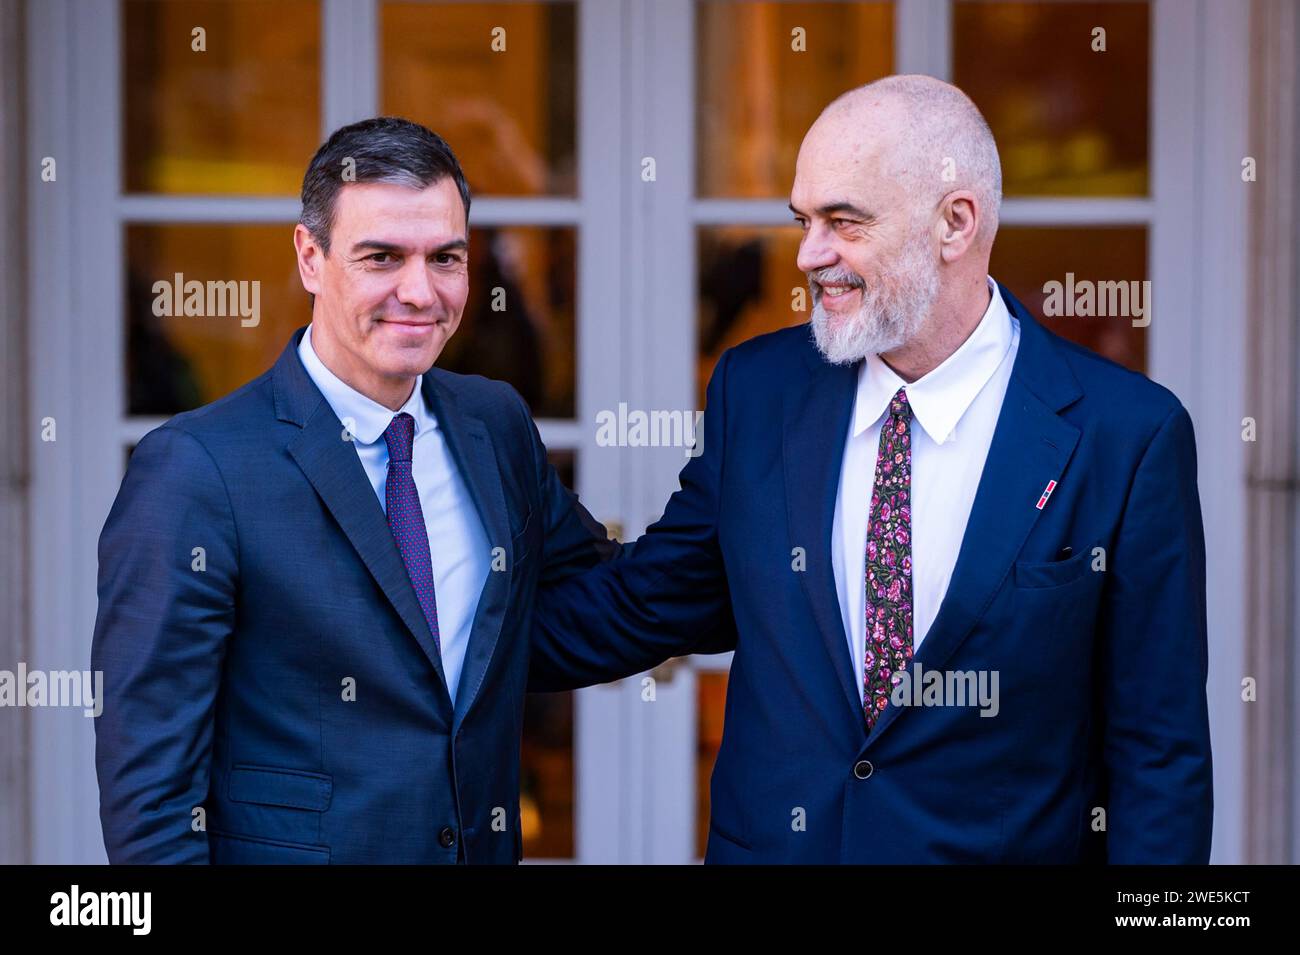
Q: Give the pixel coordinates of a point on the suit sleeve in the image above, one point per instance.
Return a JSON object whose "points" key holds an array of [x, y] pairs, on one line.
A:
{"points": [[1154, 653], [665, 596], [573, 540], [166, 613]]}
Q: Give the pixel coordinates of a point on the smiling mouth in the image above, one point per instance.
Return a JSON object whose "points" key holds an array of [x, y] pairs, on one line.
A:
{"points": [[836, 291], [407, 324]]}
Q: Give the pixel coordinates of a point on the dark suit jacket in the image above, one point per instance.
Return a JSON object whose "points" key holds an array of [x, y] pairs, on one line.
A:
{"points": [[224, 686], [1101, 673]]}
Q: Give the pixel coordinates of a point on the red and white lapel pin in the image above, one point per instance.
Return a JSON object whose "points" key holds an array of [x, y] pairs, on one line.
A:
{"points": [[1047, 492]]}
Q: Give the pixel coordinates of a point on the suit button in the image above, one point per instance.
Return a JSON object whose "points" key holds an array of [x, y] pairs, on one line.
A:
{"points": [[863, 768], [447, 838]]}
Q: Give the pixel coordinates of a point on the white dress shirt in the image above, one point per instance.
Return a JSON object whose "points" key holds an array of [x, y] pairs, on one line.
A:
{"points": [[458, 545], [954, 412]]}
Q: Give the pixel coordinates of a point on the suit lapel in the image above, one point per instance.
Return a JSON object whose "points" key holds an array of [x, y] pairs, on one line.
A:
{"points": [[814, 429], [1031, 446], [470, 443], [331, 464], [334, 470]]}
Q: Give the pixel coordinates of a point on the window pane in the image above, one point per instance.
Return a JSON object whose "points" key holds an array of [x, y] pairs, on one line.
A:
{"points": [[565, 464], [508, 113], [748, 279], [178, 362], [546, 776], [1069, 121], [546, 780], [1026, 259], [519, 321], [711, 698], [758, 94], [242, 115]]}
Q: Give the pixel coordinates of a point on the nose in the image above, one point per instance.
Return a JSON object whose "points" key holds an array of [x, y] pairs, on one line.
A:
{"points": [[815, 250], [415, 285]]}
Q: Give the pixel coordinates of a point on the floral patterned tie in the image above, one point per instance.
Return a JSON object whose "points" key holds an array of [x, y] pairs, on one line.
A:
{"points": [[889, 561]]}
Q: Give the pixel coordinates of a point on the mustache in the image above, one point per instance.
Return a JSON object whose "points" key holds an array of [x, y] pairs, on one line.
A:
{"points": [[834, 276]]}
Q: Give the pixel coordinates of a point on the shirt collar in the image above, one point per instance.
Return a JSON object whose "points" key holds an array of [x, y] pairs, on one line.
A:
{"points": [[939, 398], [369, 419]]}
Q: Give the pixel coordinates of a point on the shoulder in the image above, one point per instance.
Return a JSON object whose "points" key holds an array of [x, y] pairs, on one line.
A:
{"points": [[773, 349], [1117, 391], [772, 356], [206, 430], [1124, 400], [495, 402]]}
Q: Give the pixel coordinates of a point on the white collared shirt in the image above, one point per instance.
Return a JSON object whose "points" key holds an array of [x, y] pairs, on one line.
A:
{"points": [[458, 545], [954, 412]]}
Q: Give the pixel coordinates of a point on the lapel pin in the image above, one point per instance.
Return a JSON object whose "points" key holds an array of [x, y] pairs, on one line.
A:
{"points": [[1047, 492]]}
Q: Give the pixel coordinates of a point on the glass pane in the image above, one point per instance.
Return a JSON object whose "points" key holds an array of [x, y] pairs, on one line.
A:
{"points": [[711, 697], [1069, 121], [546, 780], [565, 464], [1026, 259], [178, 362], [546, 776], [519, 321], [759, 92], [509, 113], [241, 115], [748, 279]]}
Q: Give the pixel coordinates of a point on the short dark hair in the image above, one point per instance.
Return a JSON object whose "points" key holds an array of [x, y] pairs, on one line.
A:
{"points": [[381, 149]]}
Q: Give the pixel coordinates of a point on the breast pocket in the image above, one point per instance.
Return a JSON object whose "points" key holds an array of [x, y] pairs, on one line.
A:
{"points": [[1051, 623], [1052, 573]]}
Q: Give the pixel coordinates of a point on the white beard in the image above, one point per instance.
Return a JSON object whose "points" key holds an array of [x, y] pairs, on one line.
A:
{"points": [[892, 310]]}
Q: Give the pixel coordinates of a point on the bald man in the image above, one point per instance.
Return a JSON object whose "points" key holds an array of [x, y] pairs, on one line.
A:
{"points": [[960, 560]]}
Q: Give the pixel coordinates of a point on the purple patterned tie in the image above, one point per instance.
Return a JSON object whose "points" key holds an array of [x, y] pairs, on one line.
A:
{"points": [[407, 520], [889, 561]]}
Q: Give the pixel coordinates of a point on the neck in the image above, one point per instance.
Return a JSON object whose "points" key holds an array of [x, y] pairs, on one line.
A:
{"points": [[955, 315], [391, 392]]}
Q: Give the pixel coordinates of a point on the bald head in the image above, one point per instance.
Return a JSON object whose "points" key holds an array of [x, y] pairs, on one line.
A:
{"points": [[897, 188], [927, 135]]}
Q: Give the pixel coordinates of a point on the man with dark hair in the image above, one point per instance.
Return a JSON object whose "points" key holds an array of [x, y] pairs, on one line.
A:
{"points": [[315, 593]]}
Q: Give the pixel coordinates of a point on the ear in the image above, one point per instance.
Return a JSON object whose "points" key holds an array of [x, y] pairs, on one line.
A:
{"points": [[959, 219], [310, 258]]}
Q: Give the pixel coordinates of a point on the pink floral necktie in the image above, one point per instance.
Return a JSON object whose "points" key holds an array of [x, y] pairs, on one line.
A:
{"points": [[889, 561]]}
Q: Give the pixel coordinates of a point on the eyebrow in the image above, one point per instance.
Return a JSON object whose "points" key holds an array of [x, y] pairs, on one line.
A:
{"points": [[841, 206], [374, 245]]}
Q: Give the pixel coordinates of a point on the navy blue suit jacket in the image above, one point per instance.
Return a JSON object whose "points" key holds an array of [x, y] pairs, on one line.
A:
{"points": [[224, 678], [1101, 747]]}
